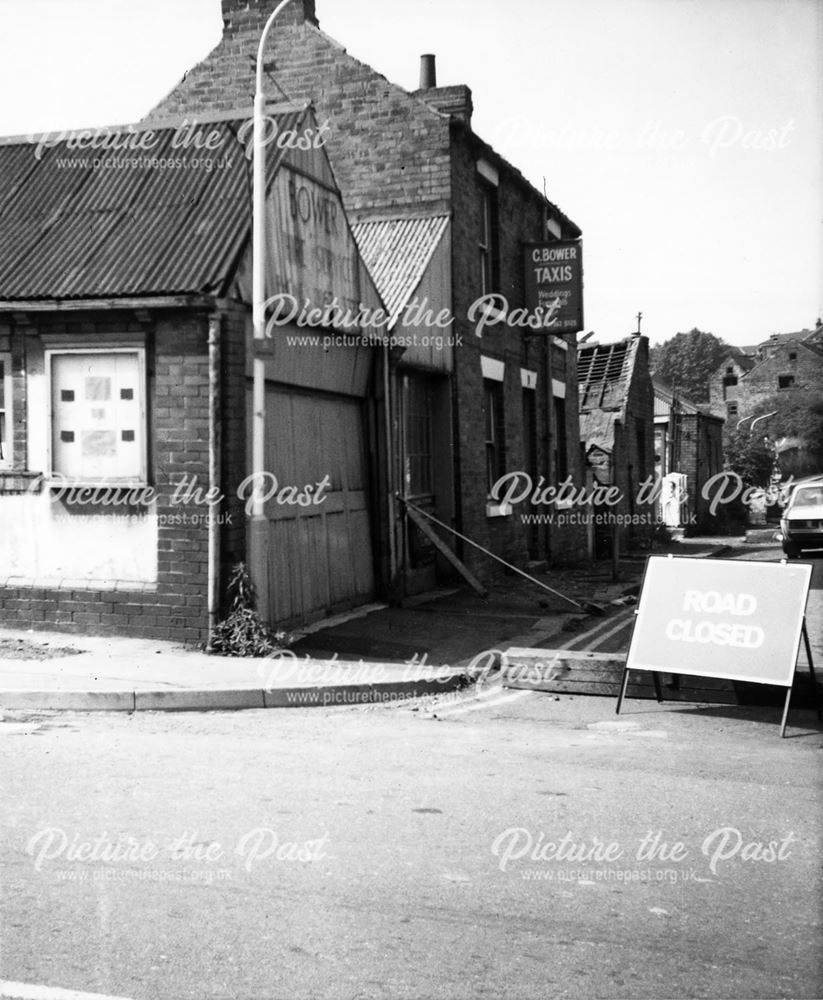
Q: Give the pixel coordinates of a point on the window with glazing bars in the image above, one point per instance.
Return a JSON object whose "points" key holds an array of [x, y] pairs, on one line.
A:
{"points": [[495, 449]]}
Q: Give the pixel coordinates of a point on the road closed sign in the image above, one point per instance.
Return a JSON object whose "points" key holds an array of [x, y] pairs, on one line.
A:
{"points": [[737, 620]]}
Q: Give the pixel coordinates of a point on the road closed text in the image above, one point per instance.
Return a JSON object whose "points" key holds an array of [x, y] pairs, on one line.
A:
{"points": [[715, 618]]}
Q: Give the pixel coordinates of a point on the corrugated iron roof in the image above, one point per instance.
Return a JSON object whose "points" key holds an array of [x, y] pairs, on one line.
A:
{"points": [[397, 253], [166, 219], [664, 399]]}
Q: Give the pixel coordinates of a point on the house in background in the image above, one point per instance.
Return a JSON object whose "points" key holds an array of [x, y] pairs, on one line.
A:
{"points": [[126, 352], [688, 451], [724, 384], [747, 376], [441, 220], [617, 433]]}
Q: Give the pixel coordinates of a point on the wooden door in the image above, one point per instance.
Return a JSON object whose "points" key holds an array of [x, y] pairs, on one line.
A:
{"points": [[320, 552]]}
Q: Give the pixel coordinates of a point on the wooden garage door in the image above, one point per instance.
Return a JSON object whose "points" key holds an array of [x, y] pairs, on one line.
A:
{"points": [[320, 556]]}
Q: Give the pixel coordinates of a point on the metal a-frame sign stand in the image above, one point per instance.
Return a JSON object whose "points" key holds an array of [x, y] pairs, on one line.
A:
{"points": [[648, 613]]}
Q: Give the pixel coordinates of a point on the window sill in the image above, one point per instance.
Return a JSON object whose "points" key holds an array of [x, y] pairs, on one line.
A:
{"points": [[57, 481], [498, 509], [492, 313], [85, 583], [20, 481]]}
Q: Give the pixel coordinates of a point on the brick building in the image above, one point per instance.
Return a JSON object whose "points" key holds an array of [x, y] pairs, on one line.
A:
{"points": [[748, 376], [724, 384], [125, 349], [688, 443], [617, 432], [441, 220]]}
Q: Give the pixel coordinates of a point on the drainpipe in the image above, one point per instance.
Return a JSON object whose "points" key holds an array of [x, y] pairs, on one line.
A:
{"points": [[387, 410], [214, 472], [550, 430]]}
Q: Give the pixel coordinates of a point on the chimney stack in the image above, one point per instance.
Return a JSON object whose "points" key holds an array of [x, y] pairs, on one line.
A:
{"points": [[455, 101], [428, 72], [253, 14]]}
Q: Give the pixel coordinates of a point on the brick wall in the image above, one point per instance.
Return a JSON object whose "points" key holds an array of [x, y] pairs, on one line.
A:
{"points": [[390, 152], [700, 457], [792, 359], [520, 220], [394, 155], [788, 358], [719, 394], [176, 606], [634, 459]]}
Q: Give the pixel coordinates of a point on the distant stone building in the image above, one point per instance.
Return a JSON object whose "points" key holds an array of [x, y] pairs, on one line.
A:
{"points": [[747, 376], [617, 431], [724, 384]]}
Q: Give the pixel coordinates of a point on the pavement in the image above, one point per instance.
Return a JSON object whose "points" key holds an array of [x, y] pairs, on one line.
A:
{"points": [[432, 644]]}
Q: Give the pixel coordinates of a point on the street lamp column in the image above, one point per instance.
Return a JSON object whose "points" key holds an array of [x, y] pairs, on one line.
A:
{"points": [[258, 556]]}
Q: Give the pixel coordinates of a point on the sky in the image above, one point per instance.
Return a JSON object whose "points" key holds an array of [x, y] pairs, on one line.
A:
{"points": [[684, 137]]}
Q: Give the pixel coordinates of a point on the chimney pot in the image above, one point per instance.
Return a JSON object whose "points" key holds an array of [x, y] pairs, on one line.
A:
{"points": [[428, 73]]}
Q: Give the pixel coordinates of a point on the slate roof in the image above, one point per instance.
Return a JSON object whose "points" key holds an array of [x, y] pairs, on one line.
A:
{"points": [[597, 429], [396, 253], [745, 362], [100, 223], [604, 372]]}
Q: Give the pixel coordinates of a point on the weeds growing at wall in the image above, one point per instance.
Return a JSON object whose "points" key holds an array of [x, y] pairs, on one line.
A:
{"points": [[242, 632]]}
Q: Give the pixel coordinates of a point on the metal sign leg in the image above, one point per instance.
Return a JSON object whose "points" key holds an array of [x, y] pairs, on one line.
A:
{"points": [[785, 712], [811, 671], [658, 690], [623, 685]]}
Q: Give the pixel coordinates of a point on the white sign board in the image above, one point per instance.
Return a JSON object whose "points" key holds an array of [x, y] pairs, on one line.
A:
{"points": [[734, 619]]}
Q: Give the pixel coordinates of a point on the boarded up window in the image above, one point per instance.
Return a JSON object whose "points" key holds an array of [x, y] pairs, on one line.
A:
{"points": [[98, 406]]}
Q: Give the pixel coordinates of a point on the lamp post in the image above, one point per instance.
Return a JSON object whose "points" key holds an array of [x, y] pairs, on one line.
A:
{"points": [[259, 528], [763, 416]]}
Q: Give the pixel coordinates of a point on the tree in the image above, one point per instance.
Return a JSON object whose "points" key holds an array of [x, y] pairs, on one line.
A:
{"points": [[688, 360], [754, 446], [750, 455], [796, 421]]}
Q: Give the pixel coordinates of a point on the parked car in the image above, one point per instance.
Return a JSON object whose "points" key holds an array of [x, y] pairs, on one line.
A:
{"points": [[801, 524]]}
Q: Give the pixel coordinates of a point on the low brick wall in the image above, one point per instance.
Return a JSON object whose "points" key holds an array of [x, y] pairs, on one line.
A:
{"points": [[150, 612]]}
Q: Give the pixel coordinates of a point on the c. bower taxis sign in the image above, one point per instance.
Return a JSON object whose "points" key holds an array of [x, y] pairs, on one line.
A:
{"points": [[554, 283]]}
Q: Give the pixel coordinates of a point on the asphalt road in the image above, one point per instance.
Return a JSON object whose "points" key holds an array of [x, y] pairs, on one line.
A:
{"points": [[511, 845]]}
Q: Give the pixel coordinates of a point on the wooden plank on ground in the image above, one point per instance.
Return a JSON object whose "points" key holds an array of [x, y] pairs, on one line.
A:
{"points": [[446, 552], [571, 671]]}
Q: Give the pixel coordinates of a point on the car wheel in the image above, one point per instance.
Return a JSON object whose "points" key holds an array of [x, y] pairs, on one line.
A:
{"points": [[791, 550]]}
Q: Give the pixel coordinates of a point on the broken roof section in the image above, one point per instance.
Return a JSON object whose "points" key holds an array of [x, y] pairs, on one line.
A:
{"points": [[604, 372], [131, 210]]}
